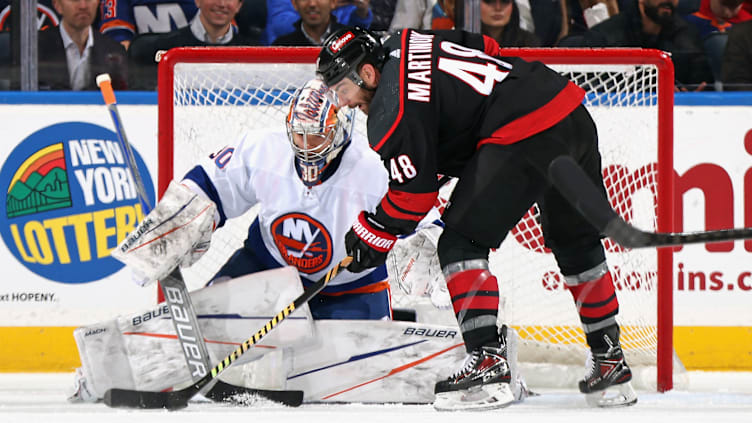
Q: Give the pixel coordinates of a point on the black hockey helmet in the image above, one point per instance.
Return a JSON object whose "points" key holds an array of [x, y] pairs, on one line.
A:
{"points": [[344, 50]]}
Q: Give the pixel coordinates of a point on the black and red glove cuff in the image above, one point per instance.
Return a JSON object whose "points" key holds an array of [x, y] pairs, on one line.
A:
{"points": [[372, 233]]}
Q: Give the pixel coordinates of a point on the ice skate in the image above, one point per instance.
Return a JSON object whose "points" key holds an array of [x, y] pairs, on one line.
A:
{"points": [[483, 383], [607, 383]]}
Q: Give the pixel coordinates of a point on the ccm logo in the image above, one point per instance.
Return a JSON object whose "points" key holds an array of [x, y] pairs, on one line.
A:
{"points": [[341, 41]]}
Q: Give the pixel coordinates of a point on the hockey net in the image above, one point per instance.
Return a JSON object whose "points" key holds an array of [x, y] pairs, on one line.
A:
{"points": [[208, 97]]}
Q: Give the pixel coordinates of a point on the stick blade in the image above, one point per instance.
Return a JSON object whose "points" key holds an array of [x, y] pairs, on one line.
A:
{"points": [[225, 392], [128, 398]]}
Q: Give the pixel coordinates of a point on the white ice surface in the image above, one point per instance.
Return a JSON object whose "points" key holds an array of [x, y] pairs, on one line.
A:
{"points": [[713, 397]]}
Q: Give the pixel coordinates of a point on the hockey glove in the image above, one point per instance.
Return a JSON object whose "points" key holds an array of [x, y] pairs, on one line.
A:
{"points": [[368, 243]]}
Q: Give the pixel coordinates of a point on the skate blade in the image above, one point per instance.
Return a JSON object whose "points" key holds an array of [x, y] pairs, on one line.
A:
{"points": [[478, 398], [614, 396]]}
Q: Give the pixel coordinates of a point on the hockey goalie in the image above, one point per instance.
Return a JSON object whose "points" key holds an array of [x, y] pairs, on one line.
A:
{"points": [[310, 182]]}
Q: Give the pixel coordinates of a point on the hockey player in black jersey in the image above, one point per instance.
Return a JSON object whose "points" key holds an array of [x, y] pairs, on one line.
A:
{"points": [[446, 102]]}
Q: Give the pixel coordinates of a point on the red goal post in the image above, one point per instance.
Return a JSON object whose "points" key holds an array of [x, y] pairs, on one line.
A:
{"points": [[208, 96]]}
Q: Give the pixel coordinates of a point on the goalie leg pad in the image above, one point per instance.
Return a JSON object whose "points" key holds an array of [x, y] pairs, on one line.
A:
{"points": [[141, 351], [98, 374]]}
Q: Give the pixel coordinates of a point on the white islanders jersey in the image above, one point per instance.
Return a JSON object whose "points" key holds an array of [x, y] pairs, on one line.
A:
{"points": [[300, 226]]}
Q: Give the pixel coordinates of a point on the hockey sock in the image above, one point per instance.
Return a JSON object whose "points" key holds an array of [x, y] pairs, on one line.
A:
{"points": [[597, 339], [597, 306], [475, 299]]}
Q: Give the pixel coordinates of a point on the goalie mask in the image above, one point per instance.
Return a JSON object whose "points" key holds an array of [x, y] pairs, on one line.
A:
{"points": [[318, 130]]}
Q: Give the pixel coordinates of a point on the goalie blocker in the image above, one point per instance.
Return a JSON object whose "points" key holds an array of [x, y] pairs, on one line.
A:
{"points": [[176, 233]]}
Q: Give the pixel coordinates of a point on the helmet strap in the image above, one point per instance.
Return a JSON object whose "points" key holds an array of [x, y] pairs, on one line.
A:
{"points": [[354, 77]]}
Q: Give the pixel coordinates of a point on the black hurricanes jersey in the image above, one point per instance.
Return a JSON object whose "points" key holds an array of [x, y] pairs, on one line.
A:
{"points": [[442, 94]]}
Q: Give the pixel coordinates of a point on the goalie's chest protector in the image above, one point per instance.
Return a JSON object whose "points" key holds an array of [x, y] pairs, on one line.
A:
{"points": [[300, 226]]}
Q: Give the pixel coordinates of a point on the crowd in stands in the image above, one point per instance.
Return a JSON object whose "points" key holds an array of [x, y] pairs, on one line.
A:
{"points": [[710, 41]]}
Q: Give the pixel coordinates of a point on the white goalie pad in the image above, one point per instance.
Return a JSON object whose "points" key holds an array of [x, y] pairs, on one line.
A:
{"points": [[141, 350], [330, 360], [181, 222], [382, 361]]}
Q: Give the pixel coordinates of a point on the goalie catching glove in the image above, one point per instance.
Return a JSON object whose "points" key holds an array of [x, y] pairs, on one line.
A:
{"points": [[176, 233], [413, 265], [368, 243]]}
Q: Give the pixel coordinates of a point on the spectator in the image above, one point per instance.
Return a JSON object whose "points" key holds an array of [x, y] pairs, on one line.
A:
{"points": [[653, 24], [315, 24], [500, 20], [687, 7], [281, 16], [393, 15], [545, 19], [383, 13], [712, 19], [73, 54], [122, 20], [577, 16], [251, 19], [46, 16], [445, 15], [736, 69], [211, 26], [718, 16], [416, 14]]}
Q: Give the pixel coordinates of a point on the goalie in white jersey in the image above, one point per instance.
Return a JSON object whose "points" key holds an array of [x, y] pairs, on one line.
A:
{"points": [[311, 182]]}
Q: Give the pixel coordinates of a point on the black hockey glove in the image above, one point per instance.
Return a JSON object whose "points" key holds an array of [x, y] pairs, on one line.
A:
{"points": [[368, 243]]}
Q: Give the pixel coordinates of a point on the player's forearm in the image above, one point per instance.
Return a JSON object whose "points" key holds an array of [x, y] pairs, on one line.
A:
{"points": [[400, 212]]}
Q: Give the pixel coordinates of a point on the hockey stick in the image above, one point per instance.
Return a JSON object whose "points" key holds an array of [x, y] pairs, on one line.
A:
{"points": [[173, 287], [569, 178], [185, 322], [179, 399], [105, 86], [182, 312]]}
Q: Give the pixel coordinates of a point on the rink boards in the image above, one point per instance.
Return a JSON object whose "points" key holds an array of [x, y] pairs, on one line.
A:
{"points": [[712, 285]]}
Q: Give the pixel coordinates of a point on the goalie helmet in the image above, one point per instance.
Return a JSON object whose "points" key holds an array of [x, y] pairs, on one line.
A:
{"points": [[344, 50], [318, 130]]}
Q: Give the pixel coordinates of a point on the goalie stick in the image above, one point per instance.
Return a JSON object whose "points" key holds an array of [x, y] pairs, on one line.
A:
{"points": [[185, 322], [182, 313], [179, 399], [105, 87], [572, 182]]}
